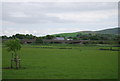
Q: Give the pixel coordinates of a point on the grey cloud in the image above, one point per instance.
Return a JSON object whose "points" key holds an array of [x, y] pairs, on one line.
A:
{"points": [[36, 12], [60, 7]]}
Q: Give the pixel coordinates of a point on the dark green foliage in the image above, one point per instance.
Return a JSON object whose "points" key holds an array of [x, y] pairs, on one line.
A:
{"points": [[58, 36], [49, 36], [39, 40], [4, 37], [22, 36]]}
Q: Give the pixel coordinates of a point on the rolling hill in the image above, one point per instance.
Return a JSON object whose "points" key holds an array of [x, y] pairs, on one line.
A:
{"points": [[109, 31], [113, 31]]}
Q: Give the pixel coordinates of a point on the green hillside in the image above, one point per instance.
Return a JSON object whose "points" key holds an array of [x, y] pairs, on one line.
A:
{"points": [[106, 31], [109, 31], [67, 34]]}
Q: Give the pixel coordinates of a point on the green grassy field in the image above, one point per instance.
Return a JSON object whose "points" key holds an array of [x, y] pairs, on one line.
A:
{"points": [[63, 62]]}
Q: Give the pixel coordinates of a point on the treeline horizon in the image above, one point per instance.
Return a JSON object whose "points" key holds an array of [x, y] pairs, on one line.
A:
{"points": [[77, 37]]}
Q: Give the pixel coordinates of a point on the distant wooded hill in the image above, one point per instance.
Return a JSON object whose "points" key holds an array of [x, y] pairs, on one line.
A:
{"points": [[97, 37], [110, 31], [113, 31]]}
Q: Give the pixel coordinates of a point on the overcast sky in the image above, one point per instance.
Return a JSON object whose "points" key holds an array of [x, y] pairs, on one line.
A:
{"points": [[42, 18]]}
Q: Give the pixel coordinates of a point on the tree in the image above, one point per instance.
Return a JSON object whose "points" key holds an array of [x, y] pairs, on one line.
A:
{"points": [[39, 40], [4, 37], [14, 46], [22, 36], [49, 36], [58, 36], [19, 36]]}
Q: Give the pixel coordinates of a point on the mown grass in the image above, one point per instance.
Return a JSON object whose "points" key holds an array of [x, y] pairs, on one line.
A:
{"points": [[51, 62]]}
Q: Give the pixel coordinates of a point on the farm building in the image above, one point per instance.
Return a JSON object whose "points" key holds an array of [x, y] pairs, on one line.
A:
{"points": [[27, 41], [56, 40], [59, 38]]}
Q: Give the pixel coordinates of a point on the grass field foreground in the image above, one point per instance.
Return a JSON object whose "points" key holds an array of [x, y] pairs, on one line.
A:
{"points": [[63, 62]]}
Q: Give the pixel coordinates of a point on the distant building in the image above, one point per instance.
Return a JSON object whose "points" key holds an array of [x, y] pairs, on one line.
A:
{"points": [[27, 41], [69, 39], [59, 38]]}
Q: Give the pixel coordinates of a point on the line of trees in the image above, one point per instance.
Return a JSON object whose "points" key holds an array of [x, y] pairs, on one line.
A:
{"points": [[79, 36], [27, 36], [20, 36]]}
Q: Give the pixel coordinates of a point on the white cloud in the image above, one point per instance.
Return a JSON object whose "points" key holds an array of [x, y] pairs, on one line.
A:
{"points": [[18, 14], [85, 16], [10, 32]]}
